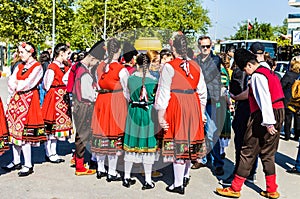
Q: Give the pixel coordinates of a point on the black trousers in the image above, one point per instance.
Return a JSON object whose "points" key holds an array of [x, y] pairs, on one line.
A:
{"points": [[288, 122], [82, 113], [257, 141]]}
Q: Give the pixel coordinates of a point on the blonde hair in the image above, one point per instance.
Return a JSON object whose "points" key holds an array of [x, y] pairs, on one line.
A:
{"points": [[295, 64], [153, 55]]}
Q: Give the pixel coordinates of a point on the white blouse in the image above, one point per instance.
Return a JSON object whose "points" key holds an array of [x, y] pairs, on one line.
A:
{"points": [[15, 85], [49, 75]]}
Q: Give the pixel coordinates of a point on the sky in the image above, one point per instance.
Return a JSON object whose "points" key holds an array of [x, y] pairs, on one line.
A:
{"points": [[227, 14]]}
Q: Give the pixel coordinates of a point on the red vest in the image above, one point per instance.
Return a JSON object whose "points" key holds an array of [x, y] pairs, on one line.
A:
{"points": [[275, 88], [80, 70]]}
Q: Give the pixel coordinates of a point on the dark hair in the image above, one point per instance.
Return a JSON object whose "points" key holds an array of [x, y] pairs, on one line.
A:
{"points": [[72, 58], [190, 53], [58, 48], [44, 57], [203, 37], [113, 46], [128, 51], [167, 52], [33, 54], [143, 61], [180, 44]]}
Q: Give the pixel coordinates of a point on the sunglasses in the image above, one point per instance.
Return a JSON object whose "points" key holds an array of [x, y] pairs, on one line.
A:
{"points": [[205, 46]]}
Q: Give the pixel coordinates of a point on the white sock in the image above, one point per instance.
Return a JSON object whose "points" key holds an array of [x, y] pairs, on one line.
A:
{"points": [[16, 154], [187, 169], [112, 164], [100, 163], [178, 174], [48, 148], [222, 150], [53, 147], [148, 171], [94, 157], [26, 148], [127, 169]]}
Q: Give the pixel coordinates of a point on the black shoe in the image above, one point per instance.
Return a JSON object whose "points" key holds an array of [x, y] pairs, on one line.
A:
{"points": [[27, 173], [128, 182], [219, 171], [14, 167], [186, 181], [227, 181], [148, 186], [93, 165], [179, 189], [111, 178], [59, 160], [293, 171], [101, 174]]}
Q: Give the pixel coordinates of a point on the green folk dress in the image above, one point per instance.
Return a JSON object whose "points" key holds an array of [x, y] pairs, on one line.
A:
{"points": [[139, 135]]}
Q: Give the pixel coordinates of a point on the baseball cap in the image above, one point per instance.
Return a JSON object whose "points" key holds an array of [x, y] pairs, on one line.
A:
{"points": [[257, 48]]}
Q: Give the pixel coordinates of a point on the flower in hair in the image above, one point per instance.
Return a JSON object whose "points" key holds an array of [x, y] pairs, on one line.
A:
{"points": [[27, 47]]}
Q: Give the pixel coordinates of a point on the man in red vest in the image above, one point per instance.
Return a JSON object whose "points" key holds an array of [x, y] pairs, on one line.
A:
{"points": [[263, 128]]}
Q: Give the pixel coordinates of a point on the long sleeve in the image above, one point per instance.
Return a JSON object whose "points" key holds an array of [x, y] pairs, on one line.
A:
{"points": [[123, 75], [260, 87], [202, 90], [164, 86], [87, 90], [48, 79], [32, 80], [12, 82]]}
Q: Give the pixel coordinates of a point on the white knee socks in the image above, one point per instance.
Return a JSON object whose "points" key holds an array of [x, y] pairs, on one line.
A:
{"points": [[178, 174], [148, 171], [127, 169], [187, 169], [48, 148], [16, 154], [112, 164], [100, 162], [26, 148]]}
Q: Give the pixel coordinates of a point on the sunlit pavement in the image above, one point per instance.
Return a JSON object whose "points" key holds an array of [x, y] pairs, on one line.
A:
{"points": [[59, 181]]}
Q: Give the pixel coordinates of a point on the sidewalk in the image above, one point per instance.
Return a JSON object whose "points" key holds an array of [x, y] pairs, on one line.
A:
{"points": [[58, 181]]}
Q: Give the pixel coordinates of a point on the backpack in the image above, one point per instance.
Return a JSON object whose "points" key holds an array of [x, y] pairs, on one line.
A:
{"points": [[238, 82], [294, 104]]}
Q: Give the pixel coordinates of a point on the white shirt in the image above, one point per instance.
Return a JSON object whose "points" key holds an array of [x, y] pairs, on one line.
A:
{"points": [[50, 74], [15, 85]]}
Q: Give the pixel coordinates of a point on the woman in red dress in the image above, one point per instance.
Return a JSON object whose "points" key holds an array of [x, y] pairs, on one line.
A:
{"points": [[24, 115], [55, 108], [180, 101], [3, 131], [109, 117]]}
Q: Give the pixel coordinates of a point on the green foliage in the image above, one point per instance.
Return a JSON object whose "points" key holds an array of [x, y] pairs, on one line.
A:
{"points": [[32, 21]]}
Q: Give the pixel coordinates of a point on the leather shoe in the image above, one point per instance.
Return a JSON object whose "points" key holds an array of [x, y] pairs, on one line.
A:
{"points": [[101, 174], [198, 165], [293, 171], [14, 167], [186, 181], [128, 182], [27, 173], [57, 161], [148, 186], [179, 189], [111, 178]]}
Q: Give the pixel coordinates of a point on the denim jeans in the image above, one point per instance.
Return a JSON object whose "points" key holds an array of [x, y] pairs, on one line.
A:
{"points": [[297, 165]]}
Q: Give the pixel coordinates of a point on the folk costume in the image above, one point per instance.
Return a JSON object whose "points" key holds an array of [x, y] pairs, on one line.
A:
{"points": [[140, 144], [3, 131], [55, 109], [181, 92], [24, 115], [108, 121], [263, 128]]}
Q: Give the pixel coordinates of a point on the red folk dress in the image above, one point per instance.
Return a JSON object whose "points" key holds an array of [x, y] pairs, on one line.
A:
{"points": [[24, 115], [185, 137], [109, 117], [55, 109], [3, 131]]}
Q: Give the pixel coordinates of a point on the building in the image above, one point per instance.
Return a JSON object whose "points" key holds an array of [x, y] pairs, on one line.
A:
{"points": [[293, 19]]}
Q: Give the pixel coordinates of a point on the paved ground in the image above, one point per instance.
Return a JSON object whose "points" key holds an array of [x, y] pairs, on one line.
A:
{"points": [[52, 181]]}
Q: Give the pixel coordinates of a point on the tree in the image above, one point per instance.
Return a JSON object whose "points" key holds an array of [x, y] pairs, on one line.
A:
{"points": [[27, 20]]}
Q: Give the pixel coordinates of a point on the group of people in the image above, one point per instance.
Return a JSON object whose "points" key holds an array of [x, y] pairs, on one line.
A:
{"points": [[141, 106]]}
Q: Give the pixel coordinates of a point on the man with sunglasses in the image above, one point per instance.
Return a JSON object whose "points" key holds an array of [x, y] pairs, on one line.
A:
{"points": [[210, 65]]}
